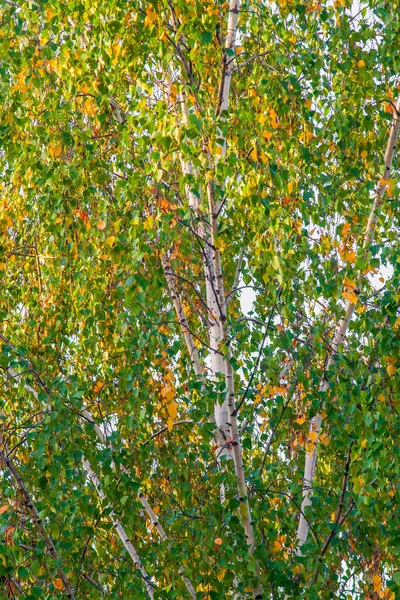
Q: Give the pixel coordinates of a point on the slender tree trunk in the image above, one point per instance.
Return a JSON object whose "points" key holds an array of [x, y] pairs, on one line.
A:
{"points": [[96, 482], [89, 418], [120, 530], [341, 330]]}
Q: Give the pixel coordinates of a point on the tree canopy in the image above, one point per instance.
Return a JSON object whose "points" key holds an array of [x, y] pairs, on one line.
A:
{"points": [[199, 299]]}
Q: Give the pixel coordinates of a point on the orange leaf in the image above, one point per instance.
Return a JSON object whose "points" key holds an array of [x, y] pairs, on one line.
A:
{"points": [[58, 584], [3, 509], [101, 225], [218, 541], [98, 386]]}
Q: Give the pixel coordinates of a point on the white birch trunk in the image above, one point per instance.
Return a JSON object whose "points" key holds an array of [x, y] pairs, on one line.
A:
{"points": [[342, 327], [120, 530], [31, 505], [234, 437], [86, 414]]}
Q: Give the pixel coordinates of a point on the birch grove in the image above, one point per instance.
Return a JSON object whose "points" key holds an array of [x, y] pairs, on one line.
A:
{"points": [[199, 307]]}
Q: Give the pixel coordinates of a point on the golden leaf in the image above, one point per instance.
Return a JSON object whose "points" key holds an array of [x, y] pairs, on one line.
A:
{"points": [[350, 296], [58, 584], [391, 370], [98, 386], [268, 134], [254, 155], [168, 392], [150, 17], [300, 420], [221, 574], [55, 151], [172, 409], [110, 241], [377, 581]]}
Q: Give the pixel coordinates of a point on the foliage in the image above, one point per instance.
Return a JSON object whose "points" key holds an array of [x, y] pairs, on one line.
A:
{"points": [[93, 196]]}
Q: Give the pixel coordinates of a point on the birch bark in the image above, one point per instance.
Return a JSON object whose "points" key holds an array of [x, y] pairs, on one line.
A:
{"points": [[342, 327], [124, 538], [32, 507]]}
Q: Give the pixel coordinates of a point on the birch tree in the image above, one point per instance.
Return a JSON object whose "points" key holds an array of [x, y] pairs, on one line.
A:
{"points": [[199, 271]]}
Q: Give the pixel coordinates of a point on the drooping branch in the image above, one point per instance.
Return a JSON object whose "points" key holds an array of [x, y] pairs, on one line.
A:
{"points": [[89, 418], [32, 507]]}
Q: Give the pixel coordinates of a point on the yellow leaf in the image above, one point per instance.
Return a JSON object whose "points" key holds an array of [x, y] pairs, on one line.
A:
{"points": [[254, 155], [221, 574], [168, 392], [364, 443], [149, 222], [220, 244], [364, 154], [90, 107], [300, 420], [239, 49], [268, 134], [350, 296], [49, 12], [293, 39], [349, 284], [150, 17], [116, 48], [377, 581], [110, 241], [350, 256], [55, 151], [172, 409], [58, 584], [324, 439], [218, 150], [361, 64], [313, 436], [381, 398], [391, 370], [272, 116]]}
